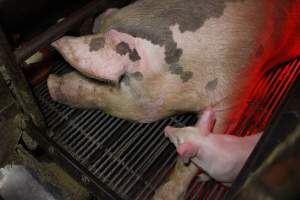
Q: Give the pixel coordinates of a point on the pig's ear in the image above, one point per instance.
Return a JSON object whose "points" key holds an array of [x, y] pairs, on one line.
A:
{"points": [[207, 121], [69, 48], [89, 55]]}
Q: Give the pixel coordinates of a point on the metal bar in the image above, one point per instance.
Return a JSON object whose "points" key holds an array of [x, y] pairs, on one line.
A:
{"points": [[106, 165], [212, 191], [102, 135], [94, 123], [59, 29], [60, 120], [64, 132], [86, 151], [193, 189], [268, 141], [159, 175], [283, 92], [198, 190], [133, 182], [243, 126], [22, 90], [72, 166], [120, 147], [131, 152], [80, 130], [142, 152], [276, 89]]}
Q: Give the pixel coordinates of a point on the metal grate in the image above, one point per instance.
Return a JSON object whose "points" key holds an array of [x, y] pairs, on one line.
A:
{"points": [[263, 100], [132, 158]]}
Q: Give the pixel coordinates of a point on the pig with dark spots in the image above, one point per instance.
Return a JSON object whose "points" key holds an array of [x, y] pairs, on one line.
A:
{"points": [[163, 57], [96, 44]]}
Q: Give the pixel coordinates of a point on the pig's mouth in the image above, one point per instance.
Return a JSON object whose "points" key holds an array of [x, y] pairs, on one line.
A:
{"points": [[103, 81]]}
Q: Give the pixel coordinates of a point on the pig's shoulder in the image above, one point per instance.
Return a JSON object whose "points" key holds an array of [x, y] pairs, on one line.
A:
{"points": [[152, 19]]}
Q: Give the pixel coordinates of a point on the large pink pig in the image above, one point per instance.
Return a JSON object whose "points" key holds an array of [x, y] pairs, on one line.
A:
{"points": [[156, 58]]}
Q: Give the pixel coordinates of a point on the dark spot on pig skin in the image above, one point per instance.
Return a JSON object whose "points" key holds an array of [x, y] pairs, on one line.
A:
{"points": [[96, 44], [134, 56], [123, 48], [174, 56], [151, 20], [211, 85], [176, 68], [137, 76], [186, 76]]}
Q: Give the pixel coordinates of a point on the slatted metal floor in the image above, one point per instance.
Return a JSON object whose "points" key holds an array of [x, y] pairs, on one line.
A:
{"points": [[132, 158]]}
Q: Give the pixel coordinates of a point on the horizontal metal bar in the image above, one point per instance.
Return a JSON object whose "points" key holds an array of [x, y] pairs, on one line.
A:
{"points": [[72, 166], [59, 29], [21, 89]]}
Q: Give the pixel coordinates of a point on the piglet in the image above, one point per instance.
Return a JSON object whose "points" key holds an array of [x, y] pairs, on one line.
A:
{"points": [[220, 156]]}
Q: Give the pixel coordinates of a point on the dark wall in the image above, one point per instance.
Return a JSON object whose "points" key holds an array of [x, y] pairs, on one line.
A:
{"points": [[23, 19]]}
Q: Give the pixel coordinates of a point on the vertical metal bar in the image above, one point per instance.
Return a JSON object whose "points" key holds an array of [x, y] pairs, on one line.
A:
{"points": [[160, 174], [61, 28], [22, 90]]}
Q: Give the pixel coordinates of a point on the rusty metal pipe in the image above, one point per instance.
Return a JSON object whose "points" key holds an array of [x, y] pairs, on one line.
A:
{"points": [[59, 29]]}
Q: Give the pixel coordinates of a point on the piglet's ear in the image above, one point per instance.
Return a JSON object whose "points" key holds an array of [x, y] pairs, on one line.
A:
{"points": [[207, 121]]}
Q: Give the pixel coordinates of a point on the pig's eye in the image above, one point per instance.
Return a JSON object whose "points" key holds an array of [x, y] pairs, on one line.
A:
{"points": [[124, 78]]}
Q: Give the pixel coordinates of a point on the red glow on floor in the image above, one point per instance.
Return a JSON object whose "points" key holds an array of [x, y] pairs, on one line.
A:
{"points": [[263, 99], [268, 85]]}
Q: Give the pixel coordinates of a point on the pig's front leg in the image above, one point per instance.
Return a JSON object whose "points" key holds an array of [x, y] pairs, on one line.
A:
{"points": [[221, 156], [177, 183]]}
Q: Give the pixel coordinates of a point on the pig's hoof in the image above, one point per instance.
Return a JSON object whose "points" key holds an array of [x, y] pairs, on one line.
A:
{"points": [[53, 83], [171, 190]]}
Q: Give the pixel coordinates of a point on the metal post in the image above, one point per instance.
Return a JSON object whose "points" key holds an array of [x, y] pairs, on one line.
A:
{"points": [[20, 86], [59, 29]]}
